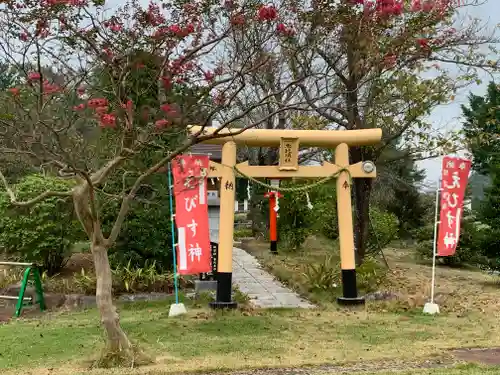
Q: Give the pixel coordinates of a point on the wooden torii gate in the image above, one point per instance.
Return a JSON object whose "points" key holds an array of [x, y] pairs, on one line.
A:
{"points": [[289, 141]]}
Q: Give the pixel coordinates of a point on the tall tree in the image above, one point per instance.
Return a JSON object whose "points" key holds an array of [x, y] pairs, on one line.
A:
{"points": [[482, 128], [383, 65], [397, 188], [64, 125]]}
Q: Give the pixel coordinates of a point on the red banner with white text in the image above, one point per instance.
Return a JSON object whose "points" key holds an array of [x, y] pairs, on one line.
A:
{"points": [[454, 177], [191, 214]]}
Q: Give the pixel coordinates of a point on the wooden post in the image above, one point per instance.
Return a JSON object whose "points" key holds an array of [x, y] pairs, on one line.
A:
{"points": [[224, 273], [346, 234], [273, 224], [273, 220]]}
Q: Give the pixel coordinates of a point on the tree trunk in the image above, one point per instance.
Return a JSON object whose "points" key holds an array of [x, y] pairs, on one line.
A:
{"points": [[362, 188], [117, 340], [362, 191]]}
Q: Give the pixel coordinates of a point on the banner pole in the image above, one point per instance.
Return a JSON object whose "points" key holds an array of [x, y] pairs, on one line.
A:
{"points": [[434, 243], [176, 286]]}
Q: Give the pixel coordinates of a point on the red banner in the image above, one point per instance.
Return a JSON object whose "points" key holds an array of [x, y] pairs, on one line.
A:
{"points": [[191, 214], [455, 174]]}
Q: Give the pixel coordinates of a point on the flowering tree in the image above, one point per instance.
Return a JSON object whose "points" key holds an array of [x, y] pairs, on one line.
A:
{"points": [[80, 112], [385, 64]]}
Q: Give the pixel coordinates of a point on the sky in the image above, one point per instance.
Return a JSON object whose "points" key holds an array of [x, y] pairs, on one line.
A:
{"points": [[449, 116]]}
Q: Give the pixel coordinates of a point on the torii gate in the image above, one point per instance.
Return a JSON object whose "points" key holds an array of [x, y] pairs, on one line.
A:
{"points": [[288, 141]]}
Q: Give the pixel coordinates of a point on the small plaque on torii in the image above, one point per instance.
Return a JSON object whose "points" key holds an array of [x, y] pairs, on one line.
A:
{"points": [[289, 154]]}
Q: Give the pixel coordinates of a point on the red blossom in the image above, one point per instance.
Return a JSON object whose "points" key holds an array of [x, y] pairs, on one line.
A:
{"points": [[416, 6], [389, 7], [189, 28], [219, 99], [24, 36], [160, 124], [283, 30], [33, 76], [154, 16], [50, 89], [79, 107], [166, 82], [160, 33], [175, 29], [108, 52], [97, 102], [14, 91], [42, 28], [428, 6], [238, 20], [128, 106], [423, 43], [209, 76], [168, 109], [107, 120], [267, 13], [80, 91]]}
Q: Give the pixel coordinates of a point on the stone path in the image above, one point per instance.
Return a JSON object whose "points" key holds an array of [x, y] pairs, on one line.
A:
{"points": [[262, 288]]}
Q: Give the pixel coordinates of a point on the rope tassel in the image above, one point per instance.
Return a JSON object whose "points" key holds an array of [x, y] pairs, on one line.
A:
{"points": [[309, 204], [248, 191]]}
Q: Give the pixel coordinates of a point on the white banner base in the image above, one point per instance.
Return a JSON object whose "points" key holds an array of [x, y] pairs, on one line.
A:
{"points": [[177, 309], [431, 308]]}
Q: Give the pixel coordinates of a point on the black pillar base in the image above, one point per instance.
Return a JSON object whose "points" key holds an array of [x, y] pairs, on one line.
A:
{"points": [[274, 247], [358, 301], [224, 286], [350, 290]]}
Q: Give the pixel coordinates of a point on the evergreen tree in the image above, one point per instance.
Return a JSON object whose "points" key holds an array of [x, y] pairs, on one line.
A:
{"points": [[482, 127], [397, 189]]}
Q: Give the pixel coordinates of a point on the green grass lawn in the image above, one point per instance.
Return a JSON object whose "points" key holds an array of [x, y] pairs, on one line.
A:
{"points": [[204, 340]]}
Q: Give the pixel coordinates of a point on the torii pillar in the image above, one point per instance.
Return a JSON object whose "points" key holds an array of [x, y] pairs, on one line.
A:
{"points": [[288, 142], [273, 220]]}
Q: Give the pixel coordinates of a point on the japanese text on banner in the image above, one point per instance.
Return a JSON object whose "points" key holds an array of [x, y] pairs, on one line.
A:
{"points": [[455, 174], [191, 214]]}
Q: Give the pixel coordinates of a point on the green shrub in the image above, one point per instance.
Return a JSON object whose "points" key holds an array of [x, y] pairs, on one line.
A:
{"points": [[324, 213], [145, 236], [243, 233], [324, 275], [44, 232], [370, 275], [473, 244], [384, 227], [125, 279], [295, 221], [131, 279]]}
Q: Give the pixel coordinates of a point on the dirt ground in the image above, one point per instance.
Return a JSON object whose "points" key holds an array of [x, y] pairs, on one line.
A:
{"points": [[460, 291]]}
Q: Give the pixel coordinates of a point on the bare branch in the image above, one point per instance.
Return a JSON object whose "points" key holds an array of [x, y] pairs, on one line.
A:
{"points": [[33, 201]]}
